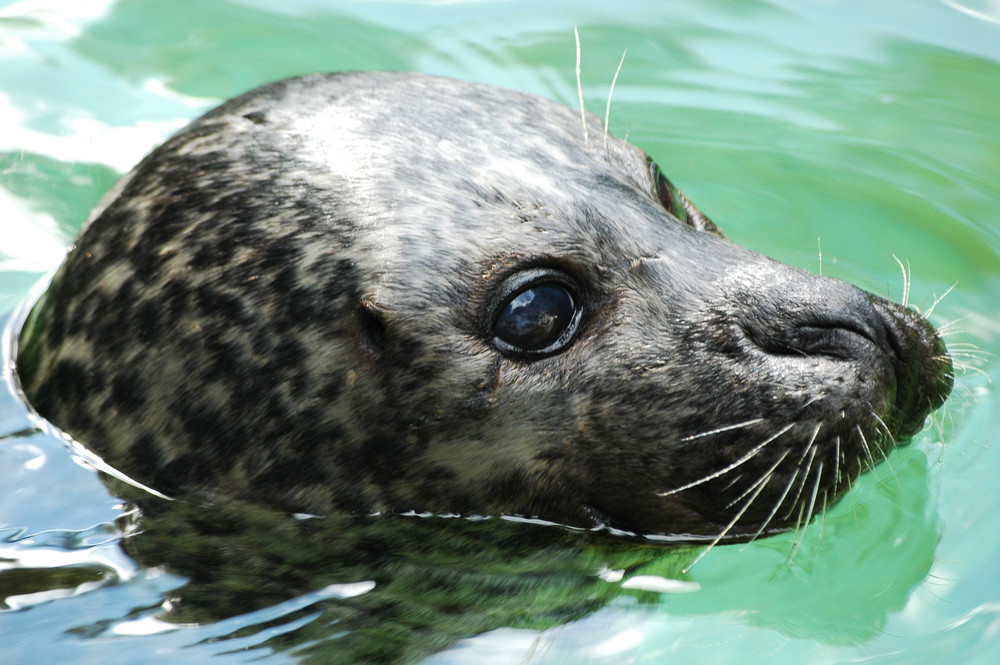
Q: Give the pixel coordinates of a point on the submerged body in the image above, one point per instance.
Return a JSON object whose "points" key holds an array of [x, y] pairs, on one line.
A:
{"points": [[393, 292]]}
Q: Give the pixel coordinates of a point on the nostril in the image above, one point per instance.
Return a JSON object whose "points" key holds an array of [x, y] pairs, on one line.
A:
{"points": [[844, 339], [848, 332], [814, 316]]}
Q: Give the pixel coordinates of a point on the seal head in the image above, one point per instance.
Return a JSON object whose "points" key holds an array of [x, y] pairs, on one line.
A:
{"points": [[393, 292]]}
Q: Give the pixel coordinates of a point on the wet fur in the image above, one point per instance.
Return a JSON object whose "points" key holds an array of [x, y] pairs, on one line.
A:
{"points": [[290, 303]]}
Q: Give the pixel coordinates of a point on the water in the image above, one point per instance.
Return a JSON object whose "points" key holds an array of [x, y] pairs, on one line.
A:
{"points": [[832, 136]]}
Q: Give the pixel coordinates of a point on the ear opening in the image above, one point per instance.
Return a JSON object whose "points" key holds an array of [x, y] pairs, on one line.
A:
{"points": [[371, 327]]}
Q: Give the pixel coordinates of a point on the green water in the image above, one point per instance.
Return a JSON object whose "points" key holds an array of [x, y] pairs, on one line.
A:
{"points": [[832, 136]]}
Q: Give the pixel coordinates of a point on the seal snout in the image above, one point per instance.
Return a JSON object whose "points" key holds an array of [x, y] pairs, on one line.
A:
{"points": [[920, 361], [822, 318]]}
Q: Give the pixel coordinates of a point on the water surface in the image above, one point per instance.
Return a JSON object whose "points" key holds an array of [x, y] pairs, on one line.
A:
{"points": [[833, 136]]}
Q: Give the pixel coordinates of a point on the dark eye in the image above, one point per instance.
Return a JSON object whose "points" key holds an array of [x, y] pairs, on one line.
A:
{"points": [[539, 317]]}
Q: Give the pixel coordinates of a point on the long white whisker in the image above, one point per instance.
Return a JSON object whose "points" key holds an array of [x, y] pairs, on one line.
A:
{"points": [[800, 535], [970, 346], [728, 527], [812, 439], [750, 455], [727, 428], [930, 310], [948, 328], [611, 92], [763, 479], [972, 368], [809, 451], [825, 503], [579, 88], [905, 301], [815, 493], [869, 459], [885, 456], [967, 352], [781, 499], [972, 354]]}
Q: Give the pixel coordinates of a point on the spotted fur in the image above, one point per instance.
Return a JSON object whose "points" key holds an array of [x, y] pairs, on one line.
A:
{"points": [[291, 302]]}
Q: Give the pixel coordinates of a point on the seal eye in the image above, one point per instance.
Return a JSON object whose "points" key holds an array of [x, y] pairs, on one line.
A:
{"points": [[539, 317]]}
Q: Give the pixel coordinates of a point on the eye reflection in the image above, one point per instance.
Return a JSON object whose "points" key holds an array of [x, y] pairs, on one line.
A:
{"points": [[536, 318]]}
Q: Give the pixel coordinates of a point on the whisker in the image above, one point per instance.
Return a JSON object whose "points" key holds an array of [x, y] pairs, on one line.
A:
{"points": [[734, 481], [780, 501], [967, 350], [972, 368], [725, 531], [952, 332], [947, 328], [811, 506], [868, 458], [727, 428], [972, 354], [750, 455], [815, 493], [966, 345], [905, 300], [796, 542], [611, 92], [824, 504], [879, 421], [886, 461], [930, 310], [812, 400], [838, 457], [810, 451], [765, 477], [579, 88], [809, 447]]}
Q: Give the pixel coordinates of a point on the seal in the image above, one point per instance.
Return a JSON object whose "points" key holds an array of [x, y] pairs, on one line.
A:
{"points": [[394, 292]]}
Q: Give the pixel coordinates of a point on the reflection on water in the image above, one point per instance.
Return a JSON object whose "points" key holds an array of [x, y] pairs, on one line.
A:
{"points": [[867, 125]]}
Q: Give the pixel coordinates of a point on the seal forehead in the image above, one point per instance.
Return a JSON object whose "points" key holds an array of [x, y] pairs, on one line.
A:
{"points": [[452, 170], [440, 130]]}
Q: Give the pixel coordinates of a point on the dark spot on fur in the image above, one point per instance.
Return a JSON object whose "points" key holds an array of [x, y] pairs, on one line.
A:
{"points": [[128, 392], [332, 388], [219, 438], [147, 321], [256, 117], [74, 379], [145, 456], [225, 361], [175, 297], [214, 302]]}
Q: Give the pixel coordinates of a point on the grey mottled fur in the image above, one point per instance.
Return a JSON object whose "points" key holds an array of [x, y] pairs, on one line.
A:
{"points": [[290, 302]]}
